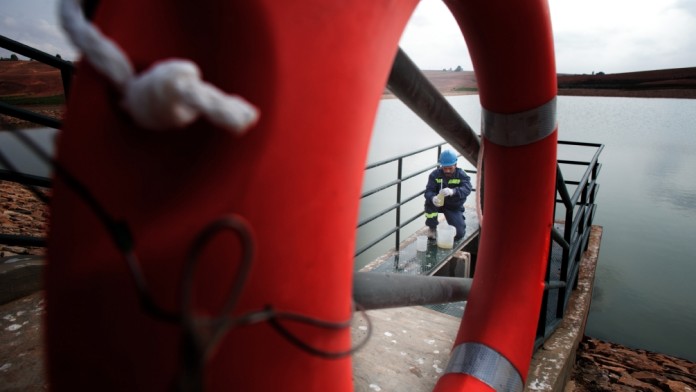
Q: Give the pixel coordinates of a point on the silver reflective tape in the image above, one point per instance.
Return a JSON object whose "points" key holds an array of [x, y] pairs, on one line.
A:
{"points": [[522, 128], [487, 365]]}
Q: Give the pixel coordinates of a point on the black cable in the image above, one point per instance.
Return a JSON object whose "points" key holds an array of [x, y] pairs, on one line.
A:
{"points": [[283, 331], [201, 336], [196, 348]]}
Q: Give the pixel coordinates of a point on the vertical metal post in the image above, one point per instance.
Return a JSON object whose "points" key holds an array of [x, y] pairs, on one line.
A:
{"points": [[398, 203], [568, 236]]}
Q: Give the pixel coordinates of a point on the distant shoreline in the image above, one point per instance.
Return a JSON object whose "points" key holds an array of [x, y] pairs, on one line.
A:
{"points": [[37, 87], [665, 83], [583, 92]]}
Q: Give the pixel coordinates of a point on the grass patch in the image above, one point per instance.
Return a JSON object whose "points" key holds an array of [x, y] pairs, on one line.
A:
{"points": [[466, 89], [26, 101]]}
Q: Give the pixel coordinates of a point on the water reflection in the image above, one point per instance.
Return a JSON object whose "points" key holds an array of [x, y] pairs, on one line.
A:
{"points": [[22, 157]]}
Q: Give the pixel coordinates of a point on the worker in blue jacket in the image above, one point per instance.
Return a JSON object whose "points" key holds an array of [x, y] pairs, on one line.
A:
{"points": [[447, 189]]}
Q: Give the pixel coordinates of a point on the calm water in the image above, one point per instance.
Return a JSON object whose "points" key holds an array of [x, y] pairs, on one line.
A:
{"points": [[645, 288], [645, 291]]}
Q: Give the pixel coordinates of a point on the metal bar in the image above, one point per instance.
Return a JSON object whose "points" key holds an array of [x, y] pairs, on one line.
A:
{"points": [[584, 144], [22, 240], [66, 68], [28, 115], [25, 179], [399, 170], [390, 232], [389, 160], [374, 290], [586, 176], [560, 186], [28, 51], [568, 162], [554, 284], [389, 209], [403, 179], [409, 84], [380, 188], [375, 242], [558, 237], [377, 215]]}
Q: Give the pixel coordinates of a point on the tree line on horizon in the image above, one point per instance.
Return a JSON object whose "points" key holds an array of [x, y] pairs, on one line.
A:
{"points": [[14, 57]]}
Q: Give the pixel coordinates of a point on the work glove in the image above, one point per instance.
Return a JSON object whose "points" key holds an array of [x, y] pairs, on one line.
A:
{"points": [[438, 202], [446, 192]]}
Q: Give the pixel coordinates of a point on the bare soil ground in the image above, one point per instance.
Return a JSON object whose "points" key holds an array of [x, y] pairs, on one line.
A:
{"points": [[26, 85], [34, 79], [667, 83], [29, 78]]}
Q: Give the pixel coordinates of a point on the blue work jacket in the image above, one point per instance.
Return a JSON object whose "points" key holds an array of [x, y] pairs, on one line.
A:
{"points": [[460, 183]]}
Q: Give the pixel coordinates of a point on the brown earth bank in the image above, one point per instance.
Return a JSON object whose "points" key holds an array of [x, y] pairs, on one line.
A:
{"points": [[604, 366], [28, 85], [29, 78], [599, 366], [666, 83], [32, 86], [34, 79]]}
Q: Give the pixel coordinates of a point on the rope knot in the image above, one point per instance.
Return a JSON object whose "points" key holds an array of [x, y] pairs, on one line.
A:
{"points": [[171, 94]]}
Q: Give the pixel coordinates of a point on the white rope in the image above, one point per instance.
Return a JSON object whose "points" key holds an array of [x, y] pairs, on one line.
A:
{"points": [[170, 94]]}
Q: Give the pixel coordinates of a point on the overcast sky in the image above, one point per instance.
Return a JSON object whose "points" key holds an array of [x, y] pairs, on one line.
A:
{"points": [[590, 35]]}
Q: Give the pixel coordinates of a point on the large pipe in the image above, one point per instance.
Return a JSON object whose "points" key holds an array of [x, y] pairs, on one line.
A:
{"points": [[409, 84], [374, 290]]}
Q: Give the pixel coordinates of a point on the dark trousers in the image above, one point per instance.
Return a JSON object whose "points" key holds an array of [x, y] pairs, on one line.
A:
{"points": [[453, 217]]}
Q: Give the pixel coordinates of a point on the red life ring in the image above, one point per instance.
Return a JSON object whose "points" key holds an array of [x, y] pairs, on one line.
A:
{"points": [[316, 70], [290, 189], [511, 46]]}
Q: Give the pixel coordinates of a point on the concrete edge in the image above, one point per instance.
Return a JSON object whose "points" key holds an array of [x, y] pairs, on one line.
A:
{"points": [[552, 364], [20, 276]]}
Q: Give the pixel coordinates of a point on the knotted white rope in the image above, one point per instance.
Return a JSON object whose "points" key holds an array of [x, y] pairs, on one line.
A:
{"points": [[170, 94]]}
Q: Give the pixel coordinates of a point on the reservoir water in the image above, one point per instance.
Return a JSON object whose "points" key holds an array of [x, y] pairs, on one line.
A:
{"points": [[645, 288], [645, 291]]}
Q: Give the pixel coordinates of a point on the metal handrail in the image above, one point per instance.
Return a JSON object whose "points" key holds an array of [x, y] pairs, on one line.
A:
{"points": [[400, 223], [579, 208], [579, 214], [66, 69]]}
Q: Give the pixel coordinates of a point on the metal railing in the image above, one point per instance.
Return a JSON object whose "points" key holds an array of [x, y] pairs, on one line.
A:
{"points": [[400, 178], [66, 69], [569, 237], [400, 222]]}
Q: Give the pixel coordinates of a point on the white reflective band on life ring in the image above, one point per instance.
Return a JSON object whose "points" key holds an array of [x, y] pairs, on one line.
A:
{"points": [[487, 365], [522, 128]]}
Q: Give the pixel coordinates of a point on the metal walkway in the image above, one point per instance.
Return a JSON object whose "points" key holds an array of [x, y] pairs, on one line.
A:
{"points": [[407, 260]]}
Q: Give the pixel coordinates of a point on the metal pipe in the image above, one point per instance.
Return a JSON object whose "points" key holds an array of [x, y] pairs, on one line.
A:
{"points": [[22, 240], [409, 84], [25, 179], [554, 284], [374, 290]]}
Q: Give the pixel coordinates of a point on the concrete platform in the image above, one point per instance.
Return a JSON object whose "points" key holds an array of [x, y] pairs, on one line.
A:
{"points": [[20, 276], [407, 260], [410, 347]]}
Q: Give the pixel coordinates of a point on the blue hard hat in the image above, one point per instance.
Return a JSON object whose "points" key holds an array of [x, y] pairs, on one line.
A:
{"points": [[448, 158]]}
